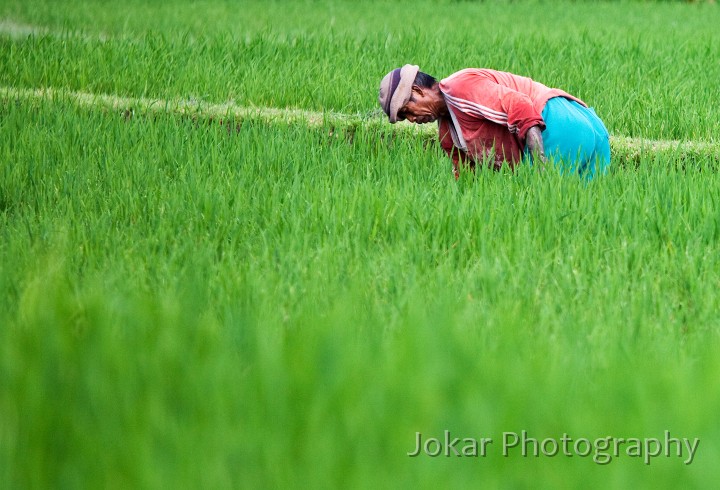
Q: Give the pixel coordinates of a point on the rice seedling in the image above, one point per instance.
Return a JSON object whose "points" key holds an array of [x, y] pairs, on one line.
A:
{"points": [[200, 295]]}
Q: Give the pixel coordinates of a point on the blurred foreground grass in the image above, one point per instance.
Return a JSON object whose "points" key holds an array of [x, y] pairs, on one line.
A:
{"points": [[272, 306]]}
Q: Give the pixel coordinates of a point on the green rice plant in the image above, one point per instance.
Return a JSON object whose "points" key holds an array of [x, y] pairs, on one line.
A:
{"points": [[198, 296], [268, 304], [643, 65]]}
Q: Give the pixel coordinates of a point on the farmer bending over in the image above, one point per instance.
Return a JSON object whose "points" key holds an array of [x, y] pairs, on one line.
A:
{"points": [[488, 115]]}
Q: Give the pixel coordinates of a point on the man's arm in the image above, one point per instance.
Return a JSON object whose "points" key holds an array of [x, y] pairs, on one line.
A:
{"points": [[534, 143]]}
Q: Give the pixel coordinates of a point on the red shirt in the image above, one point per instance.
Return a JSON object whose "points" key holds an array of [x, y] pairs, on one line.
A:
{"points": [[490, 114]]}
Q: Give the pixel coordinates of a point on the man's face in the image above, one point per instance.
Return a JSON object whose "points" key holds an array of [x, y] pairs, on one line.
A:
{"points": [[421, 108]]}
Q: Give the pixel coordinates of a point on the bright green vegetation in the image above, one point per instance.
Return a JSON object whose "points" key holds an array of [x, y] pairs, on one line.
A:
{"points": [[647, 68], [254, 304]]}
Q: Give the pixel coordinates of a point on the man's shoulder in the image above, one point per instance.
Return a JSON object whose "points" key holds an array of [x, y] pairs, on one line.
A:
{"points": [[464, 74], [462, 78]]}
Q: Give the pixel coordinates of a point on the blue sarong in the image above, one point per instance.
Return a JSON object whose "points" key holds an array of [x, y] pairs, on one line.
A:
{"points": [[575, 138]]}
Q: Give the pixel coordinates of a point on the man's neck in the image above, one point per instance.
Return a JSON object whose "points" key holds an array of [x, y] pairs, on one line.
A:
{"points": [[440, 101]]}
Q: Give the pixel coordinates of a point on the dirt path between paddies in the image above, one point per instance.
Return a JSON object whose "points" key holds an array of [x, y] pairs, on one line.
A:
{"points": [[20, 30], [630, 148]]}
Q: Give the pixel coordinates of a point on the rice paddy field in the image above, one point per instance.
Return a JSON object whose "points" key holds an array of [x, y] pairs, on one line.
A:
{"points": [[220, 267]]}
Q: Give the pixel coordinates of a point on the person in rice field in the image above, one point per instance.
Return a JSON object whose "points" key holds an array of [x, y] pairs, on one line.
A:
{"points": [[493, 117]]}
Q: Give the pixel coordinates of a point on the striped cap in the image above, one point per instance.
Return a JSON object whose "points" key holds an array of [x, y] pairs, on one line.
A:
{"points": [[395, 90]]}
